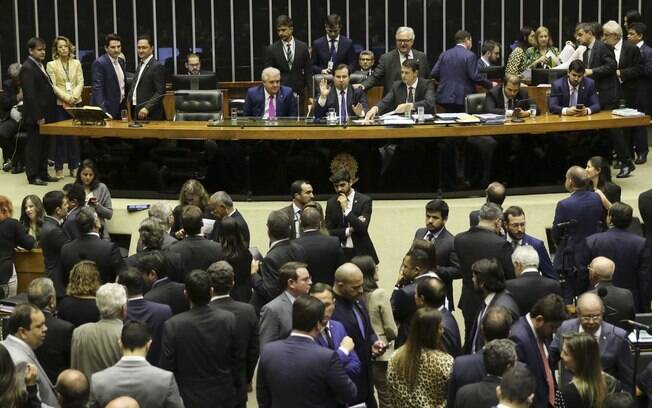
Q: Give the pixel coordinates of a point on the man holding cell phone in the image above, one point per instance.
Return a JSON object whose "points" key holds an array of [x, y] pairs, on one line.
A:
{"points": [[574, 94]]}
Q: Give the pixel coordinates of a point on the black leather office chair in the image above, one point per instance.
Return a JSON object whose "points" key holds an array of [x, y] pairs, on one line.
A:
{"points": [[475, 103], [198, 105]]}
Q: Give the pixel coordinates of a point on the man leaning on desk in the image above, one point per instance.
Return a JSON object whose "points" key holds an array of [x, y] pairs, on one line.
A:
{"points": [[270, 100], [573, 94]]}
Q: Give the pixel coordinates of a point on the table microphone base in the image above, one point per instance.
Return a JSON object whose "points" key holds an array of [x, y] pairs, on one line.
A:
{"points": [[517, 120]]}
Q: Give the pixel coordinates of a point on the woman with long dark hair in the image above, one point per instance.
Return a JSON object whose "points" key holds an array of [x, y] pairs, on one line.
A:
{"points": [[516, 61], [237, 254], [32, 216], [12, 236], [599, 172], [14, 391], [98, 195]]}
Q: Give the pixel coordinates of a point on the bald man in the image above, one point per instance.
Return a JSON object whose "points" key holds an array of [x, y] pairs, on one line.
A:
{"points": [[576, 217], [354, 316], [619, 302], [72, 388], [123, 402], [614, 349]]}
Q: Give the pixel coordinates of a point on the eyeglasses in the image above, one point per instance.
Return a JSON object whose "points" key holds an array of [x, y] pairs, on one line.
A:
{"points": [[403, 41], [595, 318]]}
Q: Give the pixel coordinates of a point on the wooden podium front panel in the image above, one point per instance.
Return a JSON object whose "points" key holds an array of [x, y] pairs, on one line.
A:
{"points": [[29, 266]]}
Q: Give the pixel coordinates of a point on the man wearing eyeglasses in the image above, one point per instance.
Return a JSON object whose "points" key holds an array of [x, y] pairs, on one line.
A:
{"points": [[614, 349]]}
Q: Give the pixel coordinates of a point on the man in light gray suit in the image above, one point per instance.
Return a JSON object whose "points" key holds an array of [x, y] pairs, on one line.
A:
{"points": [[160, 389], [26, 328], [276, 316]]}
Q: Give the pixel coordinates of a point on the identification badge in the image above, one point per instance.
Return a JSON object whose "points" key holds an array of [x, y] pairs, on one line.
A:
{"points": [[68, 86], [330, 65]]}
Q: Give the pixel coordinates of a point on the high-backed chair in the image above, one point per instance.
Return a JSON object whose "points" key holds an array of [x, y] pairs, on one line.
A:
{"points": [[198, 105], [475, 103]]}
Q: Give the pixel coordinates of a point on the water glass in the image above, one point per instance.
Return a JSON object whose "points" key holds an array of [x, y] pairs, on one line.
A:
{"points": [[234, 114], [533, 111]]}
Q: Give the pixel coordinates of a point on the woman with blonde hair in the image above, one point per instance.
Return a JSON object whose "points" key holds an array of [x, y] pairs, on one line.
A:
{"points": [[12, 236], [192, 193], [67, 77], [78, 306], [542, 55]]}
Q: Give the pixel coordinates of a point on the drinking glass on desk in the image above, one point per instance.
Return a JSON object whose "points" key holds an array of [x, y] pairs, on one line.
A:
{"points": [[234, 114], [533, 111], [123, 115]]}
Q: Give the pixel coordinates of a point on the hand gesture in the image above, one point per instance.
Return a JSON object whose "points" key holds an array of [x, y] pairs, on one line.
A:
{"points": [[358, 109], [142, 114], [181, 234], [324, 89], [378, 348], [404, 107], [343, 200], [31, 374], [347, 343], [372, 113]]}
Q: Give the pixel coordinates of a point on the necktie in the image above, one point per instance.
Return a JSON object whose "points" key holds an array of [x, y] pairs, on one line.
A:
{"points": [[358, 317], [288, 49], [587, 57], [478, 325], [573, 97], [329, 338], [297, 223], [343, 106], [333, 50], [514, 244], [429, 236], [410, 98], [549, 379], [271, 110], [510, 104]]}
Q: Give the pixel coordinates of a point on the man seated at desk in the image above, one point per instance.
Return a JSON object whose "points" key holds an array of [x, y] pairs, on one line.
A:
{"points": [[502, 99], [347, 101], [270, 100], [573, 94], [407, 94], [193, 65]]}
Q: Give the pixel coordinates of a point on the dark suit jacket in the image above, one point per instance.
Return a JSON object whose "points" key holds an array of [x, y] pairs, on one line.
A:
{"points": [[150, 90], [54, 353], [354, 96], [197, 252], [69, 224], [323, 255], [530, 287], [92, 248], [106, 89], [472, 245], [619, 304], [457, 73], [424, 95], [336, 223], [297, 372], [169, 293], [246, 326], [265, 283], [467, 369], [478, 395], [614, 352], [286, 103], [495, 100], [321, 54], [631, 71], [451, 337], [200, 348], [644, 90], [9, 97], [527, 350], [630, 253], [388, 70], [39, 100], [604, 65], [351, 361], [644, 382], [52, 239], [299, 76], [293, 217], [503, 299], [154, 315], [344, 314], [242, 223], [448, 264], [560, 95], [545, 264]]}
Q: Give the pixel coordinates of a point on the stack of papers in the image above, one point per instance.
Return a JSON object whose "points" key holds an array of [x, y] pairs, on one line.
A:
{"points": [[396, 120], [489, 116], [466, 118], [627, 112]]}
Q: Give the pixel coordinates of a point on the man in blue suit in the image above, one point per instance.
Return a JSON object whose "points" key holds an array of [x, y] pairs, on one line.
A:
{"points": [[109, 78], [347, 101], [431, 292], [514, 224], [270, 100], [532, 334], [333, 334], [576, 217], [615, 356], [635, 34], [332, 49], [627, 250], [297, 372], [572, 90]]}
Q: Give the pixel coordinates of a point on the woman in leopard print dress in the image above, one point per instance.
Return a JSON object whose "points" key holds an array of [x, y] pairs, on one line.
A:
{"points": [[419, 371]]}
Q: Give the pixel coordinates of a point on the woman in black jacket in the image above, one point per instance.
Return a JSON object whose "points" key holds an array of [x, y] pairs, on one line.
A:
{"points": [[12, 236]]}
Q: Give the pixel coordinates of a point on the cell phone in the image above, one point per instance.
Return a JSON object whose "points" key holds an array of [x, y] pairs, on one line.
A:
{"points": [[92, 200], [517, 110], [579, 106]]}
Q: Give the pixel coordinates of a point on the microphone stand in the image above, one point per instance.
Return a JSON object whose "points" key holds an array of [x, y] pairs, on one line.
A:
{"points": [[637, 354], [136, 123]]}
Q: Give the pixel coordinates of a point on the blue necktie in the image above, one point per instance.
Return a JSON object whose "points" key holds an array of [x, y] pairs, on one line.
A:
{"points": [[573, 97], [358, 318], [476, 335], [333, 50], [343, 110]]}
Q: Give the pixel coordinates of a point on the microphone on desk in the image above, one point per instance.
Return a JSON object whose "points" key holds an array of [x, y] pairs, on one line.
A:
{"points": [[636, 325]]}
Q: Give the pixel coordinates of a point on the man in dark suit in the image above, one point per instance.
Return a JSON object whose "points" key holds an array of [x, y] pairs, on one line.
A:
{"points": [[408, 94], [517, 388], [153, 314], [502, 99], [265, 274], [89, 246], [152, 238], [498, 356], [76, 198], [347, 101], [366, 61], [629, 252], [146, 95], [297, 371], [302, 193], [576, 217], [155, 268], [618, 302], [448, 264], [291, 57], [615, 355], [635, 34], [390, 64], [200, 348], [348, 215], [494, 193], [323, 252], [53, 237], [470, 368], [196, 251], [572, 90], [532, 334], [221, 207], [13, 156], [529, 285], [246, 324], [271, 100], [514, 224], [645, 208], [489, 282], [109, 78], [39, 103], [332, 49], [490, 54], [431, 292], [482, 241], [353, 315], [54, 353]]}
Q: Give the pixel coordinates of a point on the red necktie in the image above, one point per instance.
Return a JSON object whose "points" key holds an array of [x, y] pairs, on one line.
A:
{"points": [[549, 380]]}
